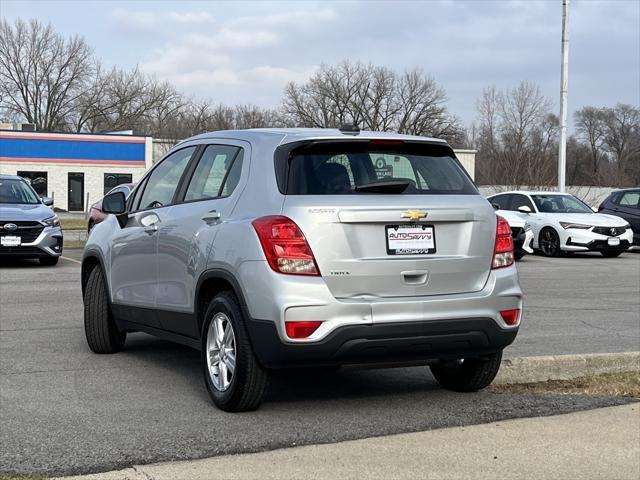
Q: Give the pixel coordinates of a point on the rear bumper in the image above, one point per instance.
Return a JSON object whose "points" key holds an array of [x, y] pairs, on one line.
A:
{"points": [[405, 342]]}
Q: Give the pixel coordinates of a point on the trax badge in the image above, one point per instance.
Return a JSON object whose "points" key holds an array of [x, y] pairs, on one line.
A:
{"points": [[414, 215]]}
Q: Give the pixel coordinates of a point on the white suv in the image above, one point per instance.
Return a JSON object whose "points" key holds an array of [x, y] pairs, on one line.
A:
{"points": [[304, 248]]}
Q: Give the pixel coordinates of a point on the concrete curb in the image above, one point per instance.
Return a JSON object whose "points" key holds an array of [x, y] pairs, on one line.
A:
{"points": [[565, 367]]}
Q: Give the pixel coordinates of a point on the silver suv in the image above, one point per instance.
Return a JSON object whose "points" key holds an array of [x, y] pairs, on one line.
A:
{"points": [[28, 226], [279, 248]]}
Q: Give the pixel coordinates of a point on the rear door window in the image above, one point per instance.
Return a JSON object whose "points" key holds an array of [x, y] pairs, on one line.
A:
{"points": [[629, 200], [370, 167], [502, 201], [217, 173]]}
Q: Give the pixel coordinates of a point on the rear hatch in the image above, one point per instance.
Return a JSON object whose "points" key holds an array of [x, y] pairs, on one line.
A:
{"points": [[388, 218]]}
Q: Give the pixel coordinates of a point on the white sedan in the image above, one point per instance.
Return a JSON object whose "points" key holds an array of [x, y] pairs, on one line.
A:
{"points": [[521, 233], [562, 222]]}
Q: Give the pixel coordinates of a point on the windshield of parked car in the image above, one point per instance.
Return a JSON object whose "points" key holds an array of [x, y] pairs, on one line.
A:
{"points": [[17, 191], [560, 204], [375, 167]]}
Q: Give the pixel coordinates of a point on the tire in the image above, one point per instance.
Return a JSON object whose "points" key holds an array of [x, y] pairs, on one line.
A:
{"points": [[549, 242], [471, 375], [100, 329], [233, 390], [610, 254], [48, 261]]}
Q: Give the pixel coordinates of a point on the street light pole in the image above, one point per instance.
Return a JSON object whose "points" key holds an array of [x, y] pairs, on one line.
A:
{"points": [[564, 87]]}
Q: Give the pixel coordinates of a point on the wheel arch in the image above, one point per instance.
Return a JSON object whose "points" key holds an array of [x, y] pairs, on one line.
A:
{"points": [[90, 261], [212, 282]]}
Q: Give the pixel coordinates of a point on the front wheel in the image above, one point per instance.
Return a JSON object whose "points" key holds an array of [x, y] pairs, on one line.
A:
{"points": [[468, 374], [610, 253], [234, 379], [549, 242], [100, 329]]}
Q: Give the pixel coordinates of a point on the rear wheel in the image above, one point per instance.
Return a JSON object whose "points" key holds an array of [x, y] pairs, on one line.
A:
{"points": [[234, 379], [48, 261], [100, 329], [610, 253], [468, 374], [549, 242]]}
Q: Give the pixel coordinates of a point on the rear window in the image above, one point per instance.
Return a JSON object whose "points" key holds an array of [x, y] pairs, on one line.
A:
{"points": [[370, 167]]}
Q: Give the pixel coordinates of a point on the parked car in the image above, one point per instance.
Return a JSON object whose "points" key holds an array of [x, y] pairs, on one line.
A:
{"points": [[28, 226], [564, 223], [288, 248], [96, 215], [625, 204], [520, 231]]}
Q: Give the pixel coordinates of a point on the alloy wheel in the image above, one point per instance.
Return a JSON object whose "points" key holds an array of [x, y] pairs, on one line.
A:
{"points": [[221, 351]]}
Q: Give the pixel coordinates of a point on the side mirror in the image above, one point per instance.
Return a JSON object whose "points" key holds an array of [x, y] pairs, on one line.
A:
{"points": [[115, 203], [495, 206], [48, 201], [524, 209]]}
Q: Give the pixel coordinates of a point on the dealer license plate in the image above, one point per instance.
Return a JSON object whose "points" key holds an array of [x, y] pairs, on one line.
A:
{"points": [[410, 239], [10, 241], [613, 242]]}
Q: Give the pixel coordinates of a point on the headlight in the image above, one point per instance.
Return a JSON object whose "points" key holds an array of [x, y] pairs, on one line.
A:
{"points": [[579, 226], [527, 227], [52, 221]]}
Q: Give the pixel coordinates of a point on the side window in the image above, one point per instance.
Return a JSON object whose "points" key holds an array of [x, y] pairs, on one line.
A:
{"points": [[217, 173], [502, 201], [629, 200], [163, 181], [518, 201]]}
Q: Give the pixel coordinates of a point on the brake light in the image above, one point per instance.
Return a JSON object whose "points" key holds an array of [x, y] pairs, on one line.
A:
{"points": [[284, 246], [301, 329], [510, 317], [503, 250]]}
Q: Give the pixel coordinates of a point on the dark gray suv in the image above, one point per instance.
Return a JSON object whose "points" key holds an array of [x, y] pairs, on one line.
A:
{"points": [[306, 248]]}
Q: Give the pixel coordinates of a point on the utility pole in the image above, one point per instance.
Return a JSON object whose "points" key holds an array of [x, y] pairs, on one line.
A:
{"points": [[564, 87]]}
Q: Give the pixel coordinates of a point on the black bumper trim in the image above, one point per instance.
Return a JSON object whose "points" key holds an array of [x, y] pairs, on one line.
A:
{"points": [[601, 245], [381, 343]]}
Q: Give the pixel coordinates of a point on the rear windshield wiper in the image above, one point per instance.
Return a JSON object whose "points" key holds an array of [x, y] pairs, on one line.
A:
{"points": [[383, 186]]}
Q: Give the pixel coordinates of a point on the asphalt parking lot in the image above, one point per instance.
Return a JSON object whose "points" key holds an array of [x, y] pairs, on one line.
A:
{"points": [[65, 410]]}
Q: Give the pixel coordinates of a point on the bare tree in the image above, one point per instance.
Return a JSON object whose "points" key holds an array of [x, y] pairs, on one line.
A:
{"points": [[375, 98], [622, 140], [42, 74], [590, 128], [517, 135]]}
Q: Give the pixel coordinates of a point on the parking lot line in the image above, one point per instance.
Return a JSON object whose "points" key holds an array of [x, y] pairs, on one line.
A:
{"points": [[70, 259]]}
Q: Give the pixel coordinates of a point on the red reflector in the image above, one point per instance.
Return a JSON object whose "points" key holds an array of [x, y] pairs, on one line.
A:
{"points": [[510, 317], [301, 329]]}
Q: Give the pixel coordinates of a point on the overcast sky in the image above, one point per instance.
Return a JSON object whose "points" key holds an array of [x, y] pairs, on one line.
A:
{"points": [[245, 52]]}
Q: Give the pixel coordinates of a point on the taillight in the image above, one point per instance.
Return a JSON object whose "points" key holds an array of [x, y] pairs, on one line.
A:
{"points": [[503, 250], [302, 328], [285, 247], [510, 317]]}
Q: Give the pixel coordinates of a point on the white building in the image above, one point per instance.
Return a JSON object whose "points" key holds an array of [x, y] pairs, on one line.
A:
{"points": [[75, 169]]}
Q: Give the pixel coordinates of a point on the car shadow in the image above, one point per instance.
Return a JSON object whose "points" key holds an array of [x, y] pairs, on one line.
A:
{"points": [[286, 385]]}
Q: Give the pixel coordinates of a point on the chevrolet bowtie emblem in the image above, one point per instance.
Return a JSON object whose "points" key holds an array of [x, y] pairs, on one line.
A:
{"points": [[414, 214]]}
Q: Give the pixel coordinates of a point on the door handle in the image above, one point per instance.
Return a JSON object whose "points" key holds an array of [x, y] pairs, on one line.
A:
{"points": [[151, 229], [415, 277], [212, 217]]}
